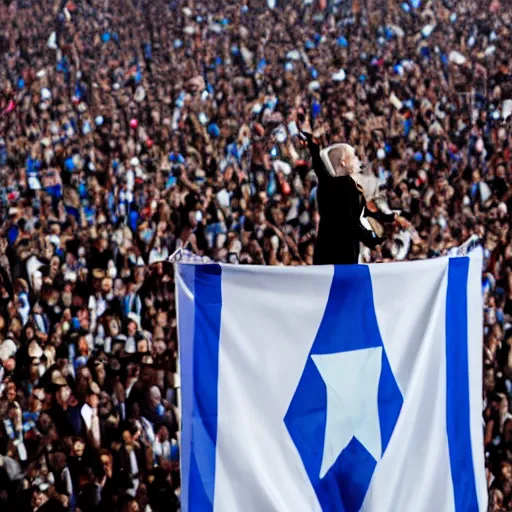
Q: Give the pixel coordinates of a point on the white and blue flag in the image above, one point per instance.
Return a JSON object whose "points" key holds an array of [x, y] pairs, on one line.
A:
{"points": [[332, 388]]}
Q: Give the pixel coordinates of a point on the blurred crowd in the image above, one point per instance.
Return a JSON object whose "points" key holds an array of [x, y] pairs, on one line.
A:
{"points": [[133, 128]]}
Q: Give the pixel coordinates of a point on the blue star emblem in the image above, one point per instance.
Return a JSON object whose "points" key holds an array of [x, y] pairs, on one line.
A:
{"points": [[341, 421]]}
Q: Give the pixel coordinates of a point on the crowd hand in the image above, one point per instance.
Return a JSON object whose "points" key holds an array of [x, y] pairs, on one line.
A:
{"points": [[286, 239], [42, 336], [303, 122], [402, 222], [304, 140], [321, 131]]}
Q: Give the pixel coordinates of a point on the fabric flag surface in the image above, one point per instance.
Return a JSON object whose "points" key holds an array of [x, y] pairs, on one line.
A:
{"points": [[332, 388]]}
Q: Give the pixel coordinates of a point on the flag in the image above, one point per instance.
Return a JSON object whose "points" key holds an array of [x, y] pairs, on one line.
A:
{"points": [[332, 388]]}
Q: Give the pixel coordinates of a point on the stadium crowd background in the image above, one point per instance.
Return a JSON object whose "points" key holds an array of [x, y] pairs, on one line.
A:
{"points": [[131, 127]]}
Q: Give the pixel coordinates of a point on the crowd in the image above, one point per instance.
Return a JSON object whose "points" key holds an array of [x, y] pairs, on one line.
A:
{"points": [[131, 128]]}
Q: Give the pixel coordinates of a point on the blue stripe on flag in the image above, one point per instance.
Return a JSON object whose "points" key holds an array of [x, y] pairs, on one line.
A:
{"points": [[185, 304], [208, 304], [457, 387], [200, 426]]}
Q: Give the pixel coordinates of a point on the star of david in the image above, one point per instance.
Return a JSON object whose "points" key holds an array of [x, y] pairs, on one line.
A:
{"points": [[347, 401]]}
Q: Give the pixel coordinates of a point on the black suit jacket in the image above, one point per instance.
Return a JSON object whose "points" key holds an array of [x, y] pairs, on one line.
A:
{"points": [[340, 204]]}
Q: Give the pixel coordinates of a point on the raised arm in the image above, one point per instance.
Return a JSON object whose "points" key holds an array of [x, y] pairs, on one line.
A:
{"points": [[314, 150]]}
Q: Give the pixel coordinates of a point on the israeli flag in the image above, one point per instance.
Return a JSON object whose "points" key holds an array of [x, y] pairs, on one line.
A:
{"points": [[332, 388]]}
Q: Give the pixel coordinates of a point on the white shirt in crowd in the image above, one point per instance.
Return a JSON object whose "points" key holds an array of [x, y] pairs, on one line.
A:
{"points": [[92, 422]]}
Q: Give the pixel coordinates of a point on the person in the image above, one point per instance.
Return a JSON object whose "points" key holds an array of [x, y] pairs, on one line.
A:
{"points": [[6, 292], [341, 204]]}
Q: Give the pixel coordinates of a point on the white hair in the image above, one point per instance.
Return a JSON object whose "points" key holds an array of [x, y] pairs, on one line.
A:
{"points": [[332, 156]]}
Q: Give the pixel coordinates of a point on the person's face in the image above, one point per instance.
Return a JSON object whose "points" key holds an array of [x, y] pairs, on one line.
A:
{"points": [[127, 437], [114, 328], [106, 462], [133, 506], [11, 394], [159, 346], [132, 328], [142, 346], [161, 318], [35, 404], [79, 448], [10, 364], [38, 499], [64, 368], [86, 374], [506, 471], [163, 433], [94, 401], [496, 499], [82, 346], [67, 296], [54, 264], [64, 394]]}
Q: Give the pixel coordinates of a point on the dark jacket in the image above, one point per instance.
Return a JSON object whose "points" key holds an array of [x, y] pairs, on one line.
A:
{"points": [[340, 205]]}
